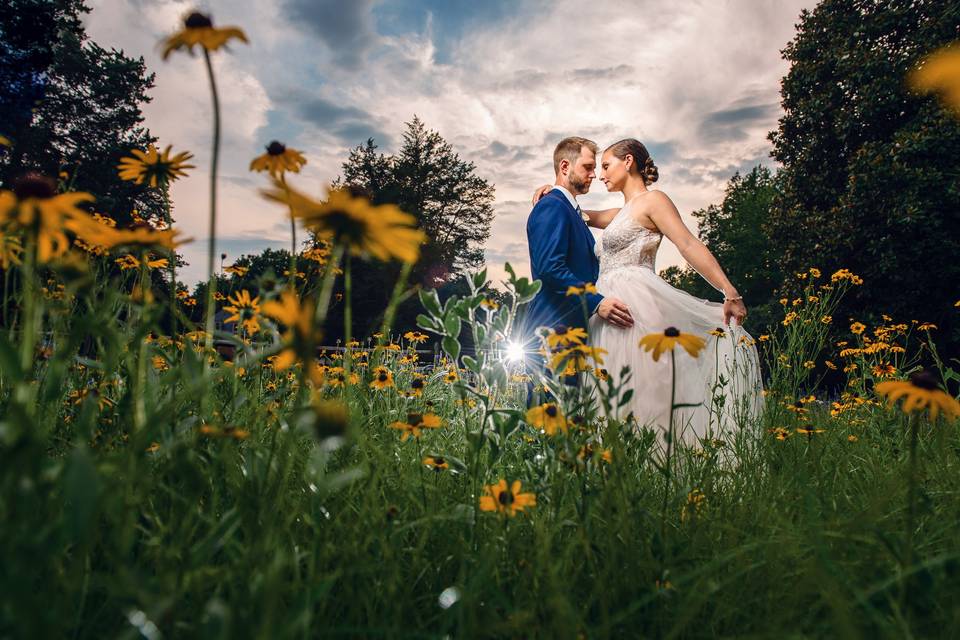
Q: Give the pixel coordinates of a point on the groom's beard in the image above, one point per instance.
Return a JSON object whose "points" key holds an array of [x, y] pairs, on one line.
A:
{"points": [[578, 185]]}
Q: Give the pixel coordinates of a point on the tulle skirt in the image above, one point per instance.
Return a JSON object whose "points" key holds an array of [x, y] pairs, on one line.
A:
{"points": [[723, 381]]}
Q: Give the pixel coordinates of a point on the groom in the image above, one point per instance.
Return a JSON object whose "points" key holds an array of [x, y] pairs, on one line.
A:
{"points": [[561, 245]]}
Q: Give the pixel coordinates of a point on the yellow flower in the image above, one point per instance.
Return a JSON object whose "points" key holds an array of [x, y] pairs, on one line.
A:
{"points": [[763, 338], [199, 30], [577, 358], [826, 319], [548, 417], [926, 326], [451, 376], [857, 328], [415, 423], [278, 160], [382, 378], [814, 272], [830, 365], [245, 310], [301, 336], [809, 430], [588, 287], [563, 336], [718, 332], [415, 337], [383, 232], [153, 448], [159, 363], [236, 433], [670, 338], [487, 303], [336, 377], [852, 438], [506, 500], [809, 364], [5, 142], [780, 433], [437, 463], [921, 391], [787, 319], [940, 72], [153, 167], [237, 270], [417, 386], [600, 373], [35, 207], [883, 370]]}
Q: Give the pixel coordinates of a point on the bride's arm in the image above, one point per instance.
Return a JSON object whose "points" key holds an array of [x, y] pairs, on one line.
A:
{"points": [[665, 216], [598, 219]]}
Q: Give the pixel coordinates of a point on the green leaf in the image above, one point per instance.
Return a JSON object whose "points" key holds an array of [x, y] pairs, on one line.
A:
{"points": [[430, 301], [626, 397], [452, 347], [81, 494], [471, 364], [451, 325], [9, 363], [428, 323]]}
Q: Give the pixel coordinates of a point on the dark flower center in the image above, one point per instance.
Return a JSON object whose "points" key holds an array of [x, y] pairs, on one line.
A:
{"points": [[197, 20], [671, 332], [505, 498], [417, 384], [561, 330], [34, 185], [275, 148], [439, 461], [551, 411], [413, 419], [924, 380], [383, 377], [604, 372]]}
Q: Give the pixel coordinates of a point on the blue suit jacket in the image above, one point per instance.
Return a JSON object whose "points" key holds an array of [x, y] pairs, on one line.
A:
{"points": [[561, 256]]}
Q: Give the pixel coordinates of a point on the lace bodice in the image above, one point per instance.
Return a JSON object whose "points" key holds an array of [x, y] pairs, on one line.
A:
{"points": [[627, 243]]}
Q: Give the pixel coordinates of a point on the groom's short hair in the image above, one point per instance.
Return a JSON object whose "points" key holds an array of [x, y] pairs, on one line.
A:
{"points": [[569, 149]]}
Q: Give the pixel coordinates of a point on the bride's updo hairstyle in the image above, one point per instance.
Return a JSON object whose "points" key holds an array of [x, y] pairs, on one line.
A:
{"points": [[642, 162]]}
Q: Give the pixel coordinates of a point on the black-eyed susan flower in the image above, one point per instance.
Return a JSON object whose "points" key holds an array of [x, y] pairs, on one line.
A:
{"points": [[547, 417], [564, 336], [415, 337], [779, 433], [601, 374], [577, 358], [300, 337], [245, 310], [940, 73], [671, 337], [857, 328], [809, 430], [236, 433], [415, 424], [383, 232], [506, 500], [5, 142], [35, 207], [437, 463], [587, 287], [417, 385], [718, 332], [883, 370], [154, 167], [491, 305], [337, 377], [451, 376], [830, 365], [237, 270], [278, 159], [198, 30], [921, 391], [382, 378]]}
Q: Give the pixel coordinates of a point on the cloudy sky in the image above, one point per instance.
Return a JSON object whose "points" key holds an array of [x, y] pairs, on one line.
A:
{"points": [[696, 81]]}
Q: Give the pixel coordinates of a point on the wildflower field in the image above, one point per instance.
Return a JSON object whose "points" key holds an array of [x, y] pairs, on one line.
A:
{"points": [[161, 477]]}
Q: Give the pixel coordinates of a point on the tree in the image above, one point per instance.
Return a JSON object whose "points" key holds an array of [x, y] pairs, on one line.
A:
{"points": [[428, 179], [733, 233], [71, 107], [869, 170], [453, 205]]}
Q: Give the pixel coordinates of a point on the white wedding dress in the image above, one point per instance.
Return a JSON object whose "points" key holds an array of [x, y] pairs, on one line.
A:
{"points": [[723, 381]]}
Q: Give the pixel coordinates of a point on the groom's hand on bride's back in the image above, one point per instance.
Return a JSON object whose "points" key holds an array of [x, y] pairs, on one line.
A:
{"points": [[615, 312]]}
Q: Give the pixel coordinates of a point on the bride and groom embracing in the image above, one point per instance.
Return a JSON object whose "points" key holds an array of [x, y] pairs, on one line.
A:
{"points": [[631, 300]]}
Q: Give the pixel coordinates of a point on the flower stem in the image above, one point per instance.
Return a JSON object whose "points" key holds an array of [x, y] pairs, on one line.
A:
{"points": [[348, 315], [670, 437], [212, 240], [168, 220]]}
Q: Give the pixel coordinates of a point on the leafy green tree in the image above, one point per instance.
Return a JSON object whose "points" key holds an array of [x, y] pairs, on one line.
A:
{"points": [[71, 107], [453, 205], [870, 170], [733, 233]]}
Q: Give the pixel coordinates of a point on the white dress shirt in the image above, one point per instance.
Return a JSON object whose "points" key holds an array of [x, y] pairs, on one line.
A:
{"points": [[572, 200]]}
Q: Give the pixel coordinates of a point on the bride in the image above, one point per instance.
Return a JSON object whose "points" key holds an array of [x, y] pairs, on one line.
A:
{"points": [[723, 381]]}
